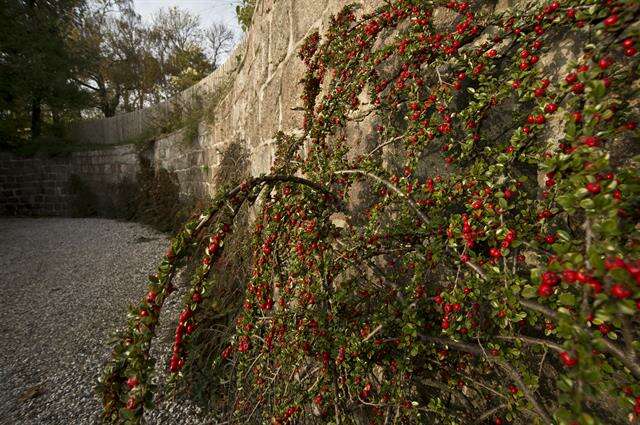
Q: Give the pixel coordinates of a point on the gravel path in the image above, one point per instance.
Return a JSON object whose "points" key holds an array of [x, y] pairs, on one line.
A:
{"points": [[64, 287]]}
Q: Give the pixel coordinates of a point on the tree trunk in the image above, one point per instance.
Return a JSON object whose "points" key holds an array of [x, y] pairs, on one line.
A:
{"points": [[36, 119]]}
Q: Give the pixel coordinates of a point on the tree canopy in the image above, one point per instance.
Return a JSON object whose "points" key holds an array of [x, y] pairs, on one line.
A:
{"points": [[68, 59]]}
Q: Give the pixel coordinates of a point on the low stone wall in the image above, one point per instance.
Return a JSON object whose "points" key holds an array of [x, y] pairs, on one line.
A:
{"points": [[34, 186], [45, 186]]}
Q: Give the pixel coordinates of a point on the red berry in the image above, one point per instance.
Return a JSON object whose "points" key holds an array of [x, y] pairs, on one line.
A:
{"points": [[185, 314], [620, 292], [593, 187], [174, 364], [591, 141], [604, 63], [196, 298], [568, 360], [132, 403], [577, 88], [611, 21], [495, 252], [628, 42], [569, 276], [508, 193], [631, 51], [550, 279], [132, 382], [551, 108], [571, 78], [151, 297], [545, 291], [445, 324]]}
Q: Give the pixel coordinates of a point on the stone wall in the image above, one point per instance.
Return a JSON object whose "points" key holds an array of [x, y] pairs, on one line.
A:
{"points": [[256, 94], [34, 186], [45, 186]]}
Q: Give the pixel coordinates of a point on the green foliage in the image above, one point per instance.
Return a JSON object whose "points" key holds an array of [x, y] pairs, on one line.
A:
{"points": [[493, 274], [36, 70], [244, 13]]}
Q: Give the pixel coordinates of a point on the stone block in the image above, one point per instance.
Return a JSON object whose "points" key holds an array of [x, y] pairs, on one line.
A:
{"points": [[270, 107], [292, 73], [279, 32], [305, 14]]}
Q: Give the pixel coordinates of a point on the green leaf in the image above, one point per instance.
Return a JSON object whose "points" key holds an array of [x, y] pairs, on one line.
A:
{"points": [[567, 299], [610, 227], [563, 235], [587, 203], [529, 291], [598, 88]]}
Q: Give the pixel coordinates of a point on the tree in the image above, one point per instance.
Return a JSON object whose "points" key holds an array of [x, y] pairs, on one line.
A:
{"points": [[177, 43], [66, 59], [219, 40], [36, 65], [115, 62]]}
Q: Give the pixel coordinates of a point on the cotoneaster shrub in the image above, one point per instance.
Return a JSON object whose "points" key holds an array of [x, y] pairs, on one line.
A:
{"points": [[476, 259]]}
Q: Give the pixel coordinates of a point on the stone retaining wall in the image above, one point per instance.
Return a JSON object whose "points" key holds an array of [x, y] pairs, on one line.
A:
{"points": [[34, 186], [257, 94]]}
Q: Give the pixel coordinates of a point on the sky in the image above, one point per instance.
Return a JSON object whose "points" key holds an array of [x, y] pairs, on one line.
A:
{"points": [[209, 11]]}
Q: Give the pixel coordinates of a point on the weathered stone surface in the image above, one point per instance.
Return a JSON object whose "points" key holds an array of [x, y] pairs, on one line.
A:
{"points": [[305, 15], [279, 32]]}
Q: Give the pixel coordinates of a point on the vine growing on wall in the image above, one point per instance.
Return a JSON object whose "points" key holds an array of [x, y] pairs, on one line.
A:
{"points": [[475, 259]]}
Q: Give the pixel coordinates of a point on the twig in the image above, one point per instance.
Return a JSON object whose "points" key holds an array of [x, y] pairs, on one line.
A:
{"points": [[513, 373], [388, 184], [534, 341], [372, 333], [395, 139], [491, 412]]}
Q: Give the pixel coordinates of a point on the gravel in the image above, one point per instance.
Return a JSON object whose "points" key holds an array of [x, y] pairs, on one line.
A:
{"points": [[65, 285]]}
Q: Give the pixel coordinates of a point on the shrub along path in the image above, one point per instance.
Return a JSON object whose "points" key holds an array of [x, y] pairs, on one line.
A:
{"points": [[64, 286]]}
